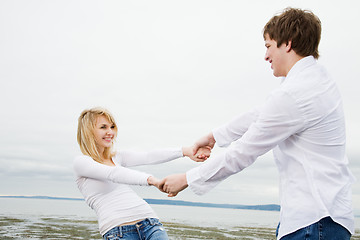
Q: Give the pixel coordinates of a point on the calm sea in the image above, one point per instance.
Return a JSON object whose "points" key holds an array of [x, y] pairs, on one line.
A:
{"points": [[201, 216]]}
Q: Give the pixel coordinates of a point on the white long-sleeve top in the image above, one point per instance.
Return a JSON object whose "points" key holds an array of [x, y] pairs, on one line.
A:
{"points": [[106, 188], [303, 122]]}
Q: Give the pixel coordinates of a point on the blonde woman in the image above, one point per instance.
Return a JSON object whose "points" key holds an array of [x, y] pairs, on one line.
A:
{"points": [[103, 178]]}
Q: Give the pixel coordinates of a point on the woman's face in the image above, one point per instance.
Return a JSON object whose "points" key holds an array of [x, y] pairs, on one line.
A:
{"points": [[104, 133]]}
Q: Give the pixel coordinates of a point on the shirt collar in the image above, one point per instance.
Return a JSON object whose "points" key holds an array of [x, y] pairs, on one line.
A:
{"points": [[301, 65]]}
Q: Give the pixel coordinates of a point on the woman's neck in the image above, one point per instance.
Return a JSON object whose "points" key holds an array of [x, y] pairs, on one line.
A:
{"points": [[105, 159], [108, 162]]}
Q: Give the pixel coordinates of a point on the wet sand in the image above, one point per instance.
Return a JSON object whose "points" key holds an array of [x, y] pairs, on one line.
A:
{"points": [[69, 228]]}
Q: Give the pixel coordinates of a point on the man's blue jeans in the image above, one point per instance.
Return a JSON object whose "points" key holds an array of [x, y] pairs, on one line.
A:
{"points": [[325, 229], [148, 229]]}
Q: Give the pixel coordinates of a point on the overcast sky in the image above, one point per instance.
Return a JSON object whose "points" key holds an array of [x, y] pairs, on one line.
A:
{"points": [[170, 71]]}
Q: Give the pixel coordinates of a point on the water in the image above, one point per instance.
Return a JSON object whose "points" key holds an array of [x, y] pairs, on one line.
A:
{"points": [[66, 219], [214, 217], [45, 207], [211, 217]]}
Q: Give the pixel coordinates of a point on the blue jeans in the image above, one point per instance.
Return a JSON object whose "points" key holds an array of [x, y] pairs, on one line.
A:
{"points": [[325, 229], [150, 228]]}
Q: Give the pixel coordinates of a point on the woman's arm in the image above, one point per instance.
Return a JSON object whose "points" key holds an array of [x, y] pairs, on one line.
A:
{"points": [[130, 158], [85, 166], [136, 158]]}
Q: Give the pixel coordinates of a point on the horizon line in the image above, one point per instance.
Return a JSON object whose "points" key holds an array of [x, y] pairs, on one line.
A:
{"points": [[264, 207]]}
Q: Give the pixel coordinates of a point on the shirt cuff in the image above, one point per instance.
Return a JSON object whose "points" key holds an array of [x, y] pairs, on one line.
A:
{"points": [[193, 176], [180, 152], [197, 184], [146, 182]]}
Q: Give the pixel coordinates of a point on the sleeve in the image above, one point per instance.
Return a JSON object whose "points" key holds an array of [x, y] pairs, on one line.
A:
{"points": [[278, 119], [234, 129], [136, 158], [85, 166]]}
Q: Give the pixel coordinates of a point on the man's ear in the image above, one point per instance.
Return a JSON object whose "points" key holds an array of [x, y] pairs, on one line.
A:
{"points": [[288, 46]]}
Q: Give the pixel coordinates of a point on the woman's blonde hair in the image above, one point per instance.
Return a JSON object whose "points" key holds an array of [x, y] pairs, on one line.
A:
{"points": [[85, 133]]}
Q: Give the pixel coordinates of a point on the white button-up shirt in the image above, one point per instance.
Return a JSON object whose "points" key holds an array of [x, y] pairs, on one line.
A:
{"points": [[303, 122]]}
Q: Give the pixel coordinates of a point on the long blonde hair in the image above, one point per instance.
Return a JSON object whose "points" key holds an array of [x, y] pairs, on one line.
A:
{"points": [[85, 133]]}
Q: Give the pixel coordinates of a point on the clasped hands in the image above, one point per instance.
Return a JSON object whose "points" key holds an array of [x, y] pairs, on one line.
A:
{"points": [[199, 152]]}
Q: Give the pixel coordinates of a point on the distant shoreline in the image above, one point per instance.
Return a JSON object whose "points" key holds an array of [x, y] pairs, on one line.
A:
{"points": [[266, 207]]}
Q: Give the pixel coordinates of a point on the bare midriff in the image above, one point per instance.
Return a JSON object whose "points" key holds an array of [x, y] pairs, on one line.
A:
{"points": [[131, 223]]}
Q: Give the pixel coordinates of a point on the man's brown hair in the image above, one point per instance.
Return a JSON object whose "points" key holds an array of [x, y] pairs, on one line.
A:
{"points": [[301, 27]]}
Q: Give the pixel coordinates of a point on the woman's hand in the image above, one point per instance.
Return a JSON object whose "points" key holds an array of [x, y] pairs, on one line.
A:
{"points": [[200, 155], [153, 181], [173, 184], [207, 141]]}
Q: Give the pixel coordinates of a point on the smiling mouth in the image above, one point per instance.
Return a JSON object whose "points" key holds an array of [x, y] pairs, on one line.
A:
{"points": [[108, 139]]}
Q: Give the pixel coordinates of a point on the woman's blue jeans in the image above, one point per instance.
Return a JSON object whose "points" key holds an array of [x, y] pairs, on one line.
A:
{"points": [[148, 229], [325, 229]]}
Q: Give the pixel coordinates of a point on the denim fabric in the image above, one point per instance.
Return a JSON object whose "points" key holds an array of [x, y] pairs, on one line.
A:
{"points": [[148, 229], [325, 229]]}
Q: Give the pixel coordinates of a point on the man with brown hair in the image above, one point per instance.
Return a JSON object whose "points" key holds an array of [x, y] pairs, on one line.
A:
{"points": [[303, 123]]}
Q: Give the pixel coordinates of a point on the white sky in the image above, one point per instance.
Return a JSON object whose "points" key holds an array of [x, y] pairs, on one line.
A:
{"points": [[170, 71]]}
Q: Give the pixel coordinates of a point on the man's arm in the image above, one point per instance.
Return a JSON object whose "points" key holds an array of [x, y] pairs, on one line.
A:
{"points": [[227, 133], [235, 128], [279, 119]]}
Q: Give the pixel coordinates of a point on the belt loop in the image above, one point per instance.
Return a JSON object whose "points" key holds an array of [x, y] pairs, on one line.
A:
{"points": [[120, 231], [152, 221]]}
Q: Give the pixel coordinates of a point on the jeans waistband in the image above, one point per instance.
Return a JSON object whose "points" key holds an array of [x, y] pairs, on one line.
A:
{"points": [[128, 228], [143, 223]]}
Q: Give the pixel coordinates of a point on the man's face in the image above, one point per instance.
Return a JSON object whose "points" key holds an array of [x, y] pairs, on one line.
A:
{"points": [[276, 56]]}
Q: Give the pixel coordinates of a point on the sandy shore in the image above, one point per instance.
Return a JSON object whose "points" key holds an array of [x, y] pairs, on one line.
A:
{"points": [[66, 228]]}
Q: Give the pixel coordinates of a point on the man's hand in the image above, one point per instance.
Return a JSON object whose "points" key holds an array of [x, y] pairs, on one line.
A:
{"points": [[201, 155], [207, 141], [174, 184]]}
